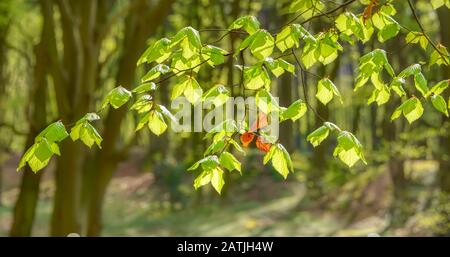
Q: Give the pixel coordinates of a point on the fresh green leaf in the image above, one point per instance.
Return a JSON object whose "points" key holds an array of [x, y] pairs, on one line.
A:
{"points": [[228, 161], [156, 123], [261, 44], [439, 104], [439, 87], [325, 91], [295, 111], [248, 23], [117, 97], [158, 52], [155, 72], [412, 110], [318, 136]]}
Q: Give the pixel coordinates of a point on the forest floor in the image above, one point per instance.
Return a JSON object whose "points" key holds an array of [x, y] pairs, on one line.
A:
{"points": [[131, 210]]}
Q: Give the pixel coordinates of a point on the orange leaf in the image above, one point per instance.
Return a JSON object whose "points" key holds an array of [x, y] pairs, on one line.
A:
{"points": [[247, 138], [260, 123], [263, 146], [368, 10]]}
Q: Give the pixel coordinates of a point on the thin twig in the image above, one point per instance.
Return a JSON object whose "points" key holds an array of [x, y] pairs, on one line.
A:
{"points": [[416, 17], [302, 72]]}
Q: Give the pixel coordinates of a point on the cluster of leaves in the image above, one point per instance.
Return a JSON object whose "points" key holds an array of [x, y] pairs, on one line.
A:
{"points": [[370, 67], [183, 55], [348, 149]]}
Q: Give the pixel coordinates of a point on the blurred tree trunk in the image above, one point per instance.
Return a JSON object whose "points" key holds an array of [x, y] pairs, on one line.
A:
{"points": [[398, 209], [4, 27], [320, 153], [444, 140], [444, 160], [139, 25], [401, 205], [79, 65], [25, 207]]}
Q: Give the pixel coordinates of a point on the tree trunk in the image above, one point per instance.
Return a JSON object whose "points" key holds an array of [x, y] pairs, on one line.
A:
{"points": [[320, 153], [444, 140], [3, 80], [444, 160], [137, 31], [25, 207]]}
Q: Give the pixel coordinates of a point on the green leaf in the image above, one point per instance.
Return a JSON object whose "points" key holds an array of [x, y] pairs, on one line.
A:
{"points": [[228, 125], [36, 164], [290, 37], [155, 72], [43, 150], [26, 156], [380, 96], [256, 77], [261, 44], [55, 132], [309, 54], [437, 3], [143, 104], [218, 95], [370, 66], [437, 58], [414, 37], [306, 8], [214, 55], [189, 38], [86, 132], [325, 91], [386, 25], [277, 67], [248, 23], [215, 147], [397, 86], [412, 110], [89, 136], [439, 87], [156, 123], [193, 92], [207, 163], [266, 102], [217, 180], [281, 160], [117, 97], [144, 88], [158, 52], [388, 32], [326, 48], [40, 153], [420, 82], [295, 111], [228, 161], [189, 87], [182, 64], [439, 104], [348, 149], [203, 179], [349, 25], [410, 70], [317, 136], [269, 154]]}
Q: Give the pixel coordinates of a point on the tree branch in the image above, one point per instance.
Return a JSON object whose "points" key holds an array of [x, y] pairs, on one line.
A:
{"points": [[416, 17]]}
